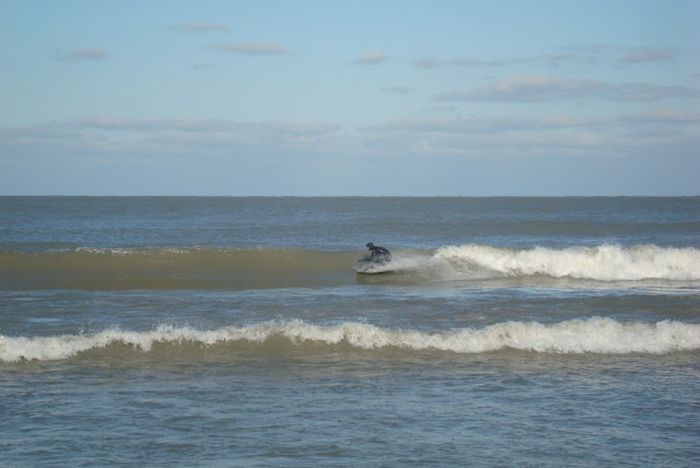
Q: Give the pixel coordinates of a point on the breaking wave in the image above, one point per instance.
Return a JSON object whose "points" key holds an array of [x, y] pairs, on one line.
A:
{"points": [[195, 268], [593, 335], [599, 263]]}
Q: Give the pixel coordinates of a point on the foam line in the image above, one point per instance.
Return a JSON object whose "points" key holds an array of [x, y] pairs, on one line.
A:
{"points": [[593, 335]]}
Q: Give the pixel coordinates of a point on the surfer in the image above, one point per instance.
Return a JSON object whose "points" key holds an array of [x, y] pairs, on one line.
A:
{"points": [[379, 254]]}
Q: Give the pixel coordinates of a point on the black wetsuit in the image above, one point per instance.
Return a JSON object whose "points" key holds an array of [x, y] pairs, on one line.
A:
{"points": [[379, 253]]}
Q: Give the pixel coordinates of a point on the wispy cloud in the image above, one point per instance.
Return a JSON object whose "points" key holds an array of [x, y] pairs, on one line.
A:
{"points": [[399, 89], [251, 48], [551, 60], [82, 54], [547, 88], [371, 58], [199, 27], [654, 131], [202, 66], [125, 135], [194, 125], [428, 63], [646, 56], [485, 124], [664, 117], [585, 53], [593, 49], [559, 135]]}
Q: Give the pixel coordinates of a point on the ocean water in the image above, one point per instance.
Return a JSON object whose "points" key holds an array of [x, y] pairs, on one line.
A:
{"points": [[243, 331]]}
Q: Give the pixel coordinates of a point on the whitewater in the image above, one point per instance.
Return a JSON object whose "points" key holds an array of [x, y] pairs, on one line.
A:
{"points": [[229, 331], [595, 335], [599, 263]]}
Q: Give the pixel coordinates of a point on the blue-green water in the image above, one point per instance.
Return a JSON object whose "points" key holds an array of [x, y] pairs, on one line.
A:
{"points": [[236, 331]]}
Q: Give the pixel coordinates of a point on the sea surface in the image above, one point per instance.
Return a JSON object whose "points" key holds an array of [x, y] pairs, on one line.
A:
{"points": [[165, 331]]}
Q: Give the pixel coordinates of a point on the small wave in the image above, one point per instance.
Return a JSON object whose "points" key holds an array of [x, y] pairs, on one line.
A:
{"points": [[593, 335], [173, 268]]}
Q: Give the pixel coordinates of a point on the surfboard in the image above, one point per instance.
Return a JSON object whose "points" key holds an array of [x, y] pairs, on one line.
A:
{"points": [[383, 272], [370, 267]]}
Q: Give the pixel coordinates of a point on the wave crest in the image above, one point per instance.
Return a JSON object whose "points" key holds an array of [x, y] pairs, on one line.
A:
{"points": [[599, 263], [593, 335]]}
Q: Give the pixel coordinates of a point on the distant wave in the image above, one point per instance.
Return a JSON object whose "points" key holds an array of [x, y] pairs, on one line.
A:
{"points": [[209, 268], [593, 335]]}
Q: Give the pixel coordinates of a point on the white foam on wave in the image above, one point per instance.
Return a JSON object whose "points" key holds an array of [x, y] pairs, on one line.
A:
{"points": [[601, 263], [123, 252], [593, 335]]}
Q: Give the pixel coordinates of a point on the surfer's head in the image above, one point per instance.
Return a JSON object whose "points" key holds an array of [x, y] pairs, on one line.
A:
{"points": [[370, 245]]}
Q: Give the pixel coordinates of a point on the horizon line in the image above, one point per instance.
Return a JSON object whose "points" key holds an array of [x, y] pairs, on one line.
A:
{"points": [[333, 196]]}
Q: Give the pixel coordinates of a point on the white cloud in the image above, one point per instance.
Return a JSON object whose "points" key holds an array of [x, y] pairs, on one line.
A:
{"points": [[547, 88], [593, 49], [663, 116], [562, 135], [167, 136], [646, 56], [205, 126], [587, 54], [486, 124], [428, 63], [252, 48], [81, 54], [654, 130], [371, 58], [552, 60]]}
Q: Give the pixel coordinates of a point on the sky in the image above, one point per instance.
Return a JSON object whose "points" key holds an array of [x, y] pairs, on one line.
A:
{"points": [[367, 98]]}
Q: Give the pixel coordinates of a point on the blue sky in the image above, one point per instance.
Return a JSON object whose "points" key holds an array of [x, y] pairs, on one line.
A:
{"points": [[350, 98]]}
